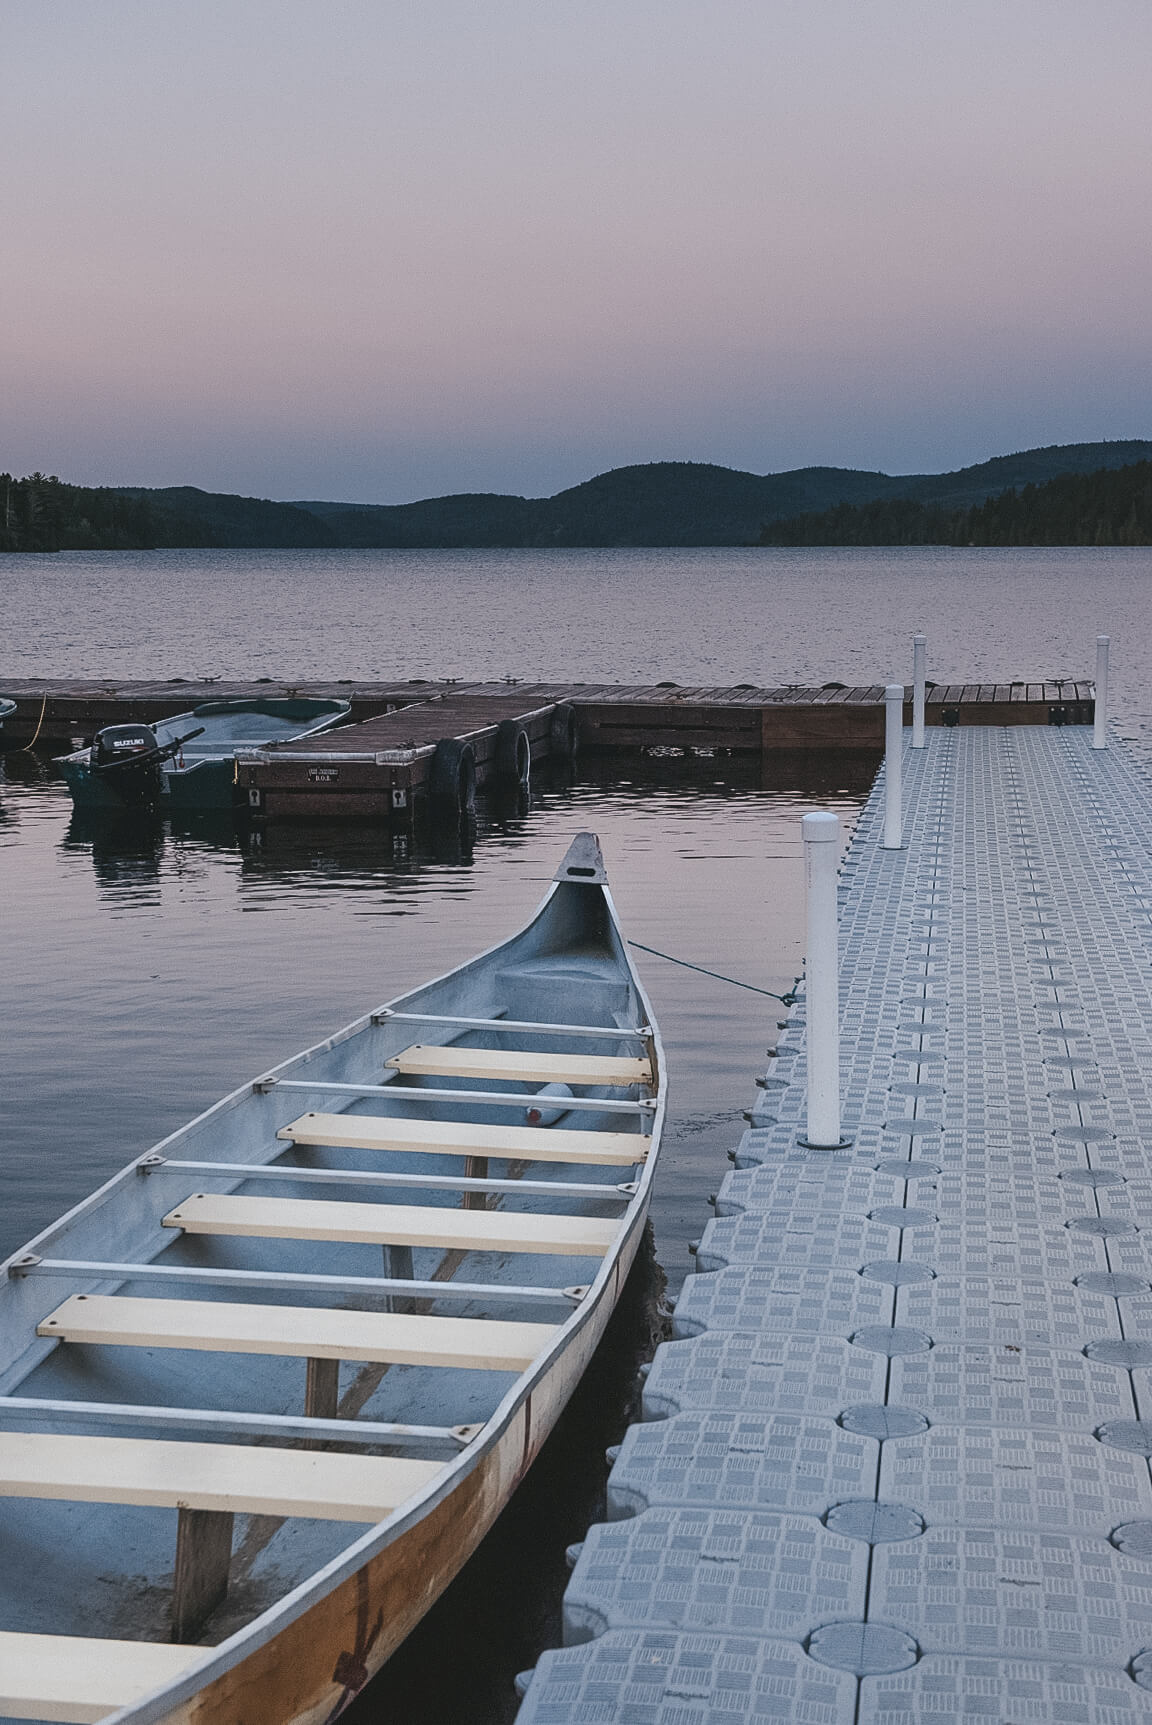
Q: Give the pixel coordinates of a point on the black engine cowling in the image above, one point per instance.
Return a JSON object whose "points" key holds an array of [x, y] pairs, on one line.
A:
{"points": [[118, 743], [127, 758]]}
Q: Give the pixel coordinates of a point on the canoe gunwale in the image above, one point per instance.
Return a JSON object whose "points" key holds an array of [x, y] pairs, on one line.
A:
{"points": [[592, 1311]]}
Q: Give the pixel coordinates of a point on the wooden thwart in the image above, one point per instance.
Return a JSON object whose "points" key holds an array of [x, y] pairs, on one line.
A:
{"points": [[252, 1480], [507, 1064], [393, 1224], [465, 1138], [73, 1678], [220, 1326]]}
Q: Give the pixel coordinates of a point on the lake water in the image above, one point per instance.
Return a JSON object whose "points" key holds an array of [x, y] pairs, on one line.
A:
{"points": [[149, 968], [697, 617]]}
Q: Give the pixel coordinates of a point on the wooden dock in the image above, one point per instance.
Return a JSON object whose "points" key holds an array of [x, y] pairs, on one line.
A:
{"points": [[375, 767], [442, 747]]}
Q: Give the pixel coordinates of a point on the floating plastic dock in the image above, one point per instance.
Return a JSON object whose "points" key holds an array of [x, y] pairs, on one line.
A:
{"points": [[894, 1466]]}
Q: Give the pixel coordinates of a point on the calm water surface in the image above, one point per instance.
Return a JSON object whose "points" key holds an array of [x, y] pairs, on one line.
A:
{"points": [[150, 968], [698, 617], [147, 969]]}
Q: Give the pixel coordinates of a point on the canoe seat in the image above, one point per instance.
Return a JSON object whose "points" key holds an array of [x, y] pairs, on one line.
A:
{"points": [[456, 1138], [510, 1065], [72, 1678], [208, 1484], [220, 1326], [393, 1224], [232, 1478]]}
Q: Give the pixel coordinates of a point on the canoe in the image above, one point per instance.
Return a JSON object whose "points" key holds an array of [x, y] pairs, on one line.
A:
{"points": [[264, 1392], [189, 760]]}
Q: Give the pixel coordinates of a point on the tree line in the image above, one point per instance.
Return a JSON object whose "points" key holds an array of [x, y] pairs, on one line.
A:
{"points": [[1112, 506], [41, 513], [661, 503]]}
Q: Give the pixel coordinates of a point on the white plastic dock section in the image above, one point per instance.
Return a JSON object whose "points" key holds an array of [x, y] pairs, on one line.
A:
{"points": [[895, 1465]]}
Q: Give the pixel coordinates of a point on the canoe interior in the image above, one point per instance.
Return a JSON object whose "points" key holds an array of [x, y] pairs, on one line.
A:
{"points": [[102, 1569]]}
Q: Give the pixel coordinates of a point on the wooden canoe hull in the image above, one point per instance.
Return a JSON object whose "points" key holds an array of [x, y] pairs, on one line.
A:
{"points": [[314, 1668]]}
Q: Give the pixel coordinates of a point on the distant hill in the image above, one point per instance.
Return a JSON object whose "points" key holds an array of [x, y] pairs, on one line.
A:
{"points": [[1111, 506], [664, 503], [221, 519], [690, 503]]}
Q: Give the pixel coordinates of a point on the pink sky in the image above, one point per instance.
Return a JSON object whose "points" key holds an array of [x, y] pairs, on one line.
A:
{"points": [[382, 249]]}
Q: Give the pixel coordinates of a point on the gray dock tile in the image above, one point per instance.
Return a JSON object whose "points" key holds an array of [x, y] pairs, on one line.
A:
{"points": [[783, 1462], [1003, 1385], [835, 1183], [968, 1477], [967, 1244], [743, 1371], [796, 1234], [752, 1297], [943, 1690], [1013, 1309], [1035, 1595], [759, 1574], [659, 1677]]}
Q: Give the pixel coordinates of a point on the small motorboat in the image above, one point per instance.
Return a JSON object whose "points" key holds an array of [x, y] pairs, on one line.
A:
{"points": [[263, 1393], [188, 761], [7, 708]]}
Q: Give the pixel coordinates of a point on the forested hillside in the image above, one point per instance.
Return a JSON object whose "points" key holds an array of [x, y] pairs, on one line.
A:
{"points": [[42, 513], [1112, 506], [1005, 501]]}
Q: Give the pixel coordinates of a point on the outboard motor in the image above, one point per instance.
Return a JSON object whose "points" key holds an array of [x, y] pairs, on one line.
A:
{"points": [[127, 758]]}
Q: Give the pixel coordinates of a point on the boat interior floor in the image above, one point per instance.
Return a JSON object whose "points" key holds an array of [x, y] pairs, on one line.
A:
{"points": [[299, 1311]]}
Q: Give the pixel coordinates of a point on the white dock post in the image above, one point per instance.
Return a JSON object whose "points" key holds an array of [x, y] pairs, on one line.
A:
{"points": [[893, 752], [821, 833], [919, 655], [1100, 723]]}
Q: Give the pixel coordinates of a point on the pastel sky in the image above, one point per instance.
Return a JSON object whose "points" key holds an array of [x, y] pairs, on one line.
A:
{"points": [[384, 249]]}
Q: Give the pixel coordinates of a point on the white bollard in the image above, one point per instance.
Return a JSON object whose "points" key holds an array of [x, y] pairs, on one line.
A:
{"points": [[893, 753], [821, 834], [1100, 723], [919, 654]]}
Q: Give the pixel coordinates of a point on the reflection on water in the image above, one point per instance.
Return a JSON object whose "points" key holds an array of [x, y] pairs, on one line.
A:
{"points": [[126, 849], [154, 964], [151, 965]]}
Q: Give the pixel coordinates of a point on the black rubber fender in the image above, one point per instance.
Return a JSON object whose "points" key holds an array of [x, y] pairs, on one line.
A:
{"points": [[513, 757], [563, 732], [452, 777]]}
